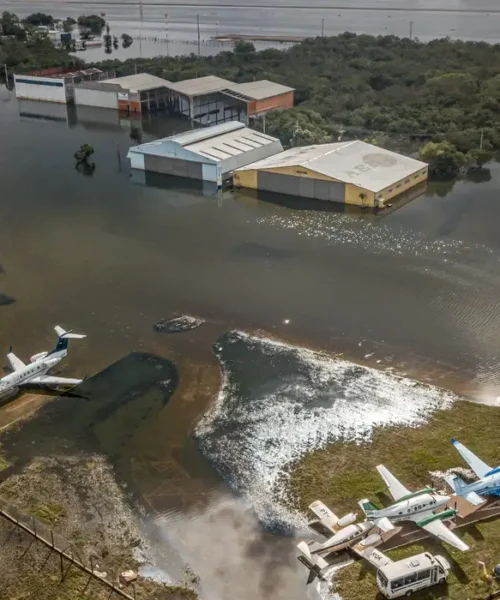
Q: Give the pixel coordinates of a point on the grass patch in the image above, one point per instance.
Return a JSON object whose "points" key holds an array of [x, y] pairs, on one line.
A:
{"points": [[343, 473], [50, 512], [3, 463]]}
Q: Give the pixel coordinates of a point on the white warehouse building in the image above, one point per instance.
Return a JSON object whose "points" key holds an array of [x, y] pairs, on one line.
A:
{"points": [[209, 154]]}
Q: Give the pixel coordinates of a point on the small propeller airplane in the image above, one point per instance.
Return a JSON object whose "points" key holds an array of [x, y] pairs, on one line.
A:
{"points": [[419, 507], [35, 373], [488, 482], [346, 533]]}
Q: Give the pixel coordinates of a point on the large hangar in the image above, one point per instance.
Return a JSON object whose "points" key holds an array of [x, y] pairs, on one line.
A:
{"points": [[208, 154], [351, 172]]}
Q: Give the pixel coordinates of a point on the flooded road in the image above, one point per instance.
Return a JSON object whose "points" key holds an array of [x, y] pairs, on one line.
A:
{"points": [[175, 23], [417, 290]]}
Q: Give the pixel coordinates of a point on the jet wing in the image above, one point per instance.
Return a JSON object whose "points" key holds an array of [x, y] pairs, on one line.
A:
{"points": [[49, 380], [439, 529], [15, 363], [396, 489], [479, 467]]}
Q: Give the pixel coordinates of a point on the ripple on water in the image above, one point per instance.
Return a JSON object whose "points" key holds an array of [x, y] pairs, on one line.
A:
{"points": [[278, 402]]}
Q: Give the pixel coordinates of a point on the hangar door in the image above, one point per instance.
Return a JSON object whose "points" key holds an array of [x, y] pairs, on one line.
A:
{"points": [[173, 166], [304, 187]]}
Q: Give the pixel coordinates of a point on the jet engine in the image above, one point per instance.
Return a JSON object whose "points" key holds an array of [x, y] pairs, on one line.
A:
{"points": [[39, 356]]}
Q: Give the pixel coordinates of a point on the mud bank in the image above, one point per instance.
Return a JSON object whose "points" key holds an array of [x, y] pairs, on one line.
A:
{"points": [[79, 499]]}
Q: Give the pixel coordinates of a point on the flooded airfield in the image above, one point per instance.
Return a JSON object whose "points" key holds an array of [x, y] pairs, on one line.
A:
{"points": [[198, 424]]}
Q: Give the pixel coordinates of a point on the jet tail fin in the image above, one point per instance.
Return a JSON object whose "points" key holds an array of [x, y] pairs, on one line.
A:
{"points": [[458, 485], [68, 335], [367, 506]]}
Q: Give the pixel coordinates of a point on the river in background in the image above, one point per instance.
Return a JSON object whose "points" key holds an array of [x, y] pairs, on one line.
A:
{"points": [[416, 290], [174, 23]]}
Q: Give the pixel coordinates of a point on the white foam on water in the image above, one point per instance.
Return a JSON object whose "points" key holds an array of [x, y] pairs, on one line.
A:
{"points": [[252, 440]]}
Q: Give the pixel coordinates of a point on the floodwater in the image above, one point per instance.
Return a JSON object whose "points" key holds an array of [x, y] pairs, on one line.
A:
{"points": [[416, 289], [176, 22]]}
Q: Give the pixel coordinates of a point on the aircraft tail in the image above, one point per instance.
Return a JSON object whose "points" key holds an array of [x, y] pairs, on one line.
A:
{"points": [[315, 564], [64, 336], [455, 482], [459, 486], [368, 507]]}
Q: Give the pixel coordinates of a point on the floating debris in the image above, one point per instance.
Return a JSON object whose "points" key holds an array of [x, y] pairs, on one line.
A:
{"points": [[6, 300], [178, 324]]}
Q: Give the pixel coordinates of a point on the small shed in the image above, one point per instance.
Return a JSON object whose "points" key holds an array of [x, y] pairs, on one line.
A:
{"points": [[208, 154]]}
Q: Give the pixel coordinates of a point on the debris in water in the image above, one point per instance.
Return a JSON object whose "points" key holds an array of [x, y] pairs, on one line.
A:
{"points": [[177, 324], [6, 300]]}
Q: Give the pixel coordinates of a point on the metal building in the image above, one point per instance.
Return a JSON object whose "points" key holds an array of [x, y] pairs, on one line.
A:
{"points": [[53, 85], [260, 97], [349, 172], [134, 93], [209, 154]]}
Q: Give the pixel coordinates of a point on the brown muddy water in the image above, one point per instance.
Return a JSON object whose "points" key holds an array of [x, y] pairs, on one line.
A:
{"points": [[416, 290]]}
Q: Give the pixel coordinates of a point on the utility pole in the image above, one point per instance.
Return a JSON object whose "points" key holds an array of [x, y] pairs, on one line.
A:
{"points": [[411, 30], [482, 139], [199, 41], [166, 30], [322, 27], [141, 14]]}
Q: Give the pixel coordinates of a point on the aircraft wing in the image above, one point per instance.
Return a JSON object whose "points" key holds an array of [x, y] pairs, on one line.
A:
{"points": [[439, 529], [15, 363], [395, 487], [479, 467], [49, 380], [325, 515]]}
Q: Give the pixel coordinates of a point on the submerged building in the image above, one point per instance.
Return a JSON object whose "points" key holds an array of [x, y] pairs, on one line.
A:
{"points": [[352, 172], [210, 154]]}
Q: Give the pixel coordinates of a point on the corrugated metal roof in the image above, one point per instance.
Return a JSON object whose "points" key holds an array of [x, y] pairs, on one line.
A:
{"points": [[222, 143], [356, 162], [140, 82], [190, 137], [200, 85], [258, 90], [231, 143]]}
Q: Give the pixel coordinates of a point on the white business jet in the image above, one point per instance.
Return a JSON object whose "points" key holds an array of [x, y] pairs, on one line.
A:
{"points": [[35, 373]]}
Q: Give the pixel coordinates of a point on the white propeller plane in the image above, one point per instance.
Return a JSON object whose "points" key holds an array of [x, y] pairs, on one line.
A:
{"points": [[419, 507], [35, 373], [488, 483]]}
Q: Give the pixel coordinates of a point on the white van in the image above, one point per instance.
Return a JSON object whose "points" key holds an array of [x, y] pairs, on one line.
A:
{"points": [[409, 575]]}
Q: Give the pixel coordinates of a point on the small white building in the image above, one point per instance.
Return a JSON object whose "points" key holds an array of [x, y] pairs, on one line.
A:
{"points": [[48, 89], [209, 154]]}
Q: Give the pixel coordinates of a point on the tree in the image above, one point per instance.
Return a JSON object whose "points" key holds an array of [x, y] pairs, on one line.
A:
{"points": [[92, 22], [443, 158], [68, 24], [39, 19], [10, 26], [479, 157], [127, 40], [83, 154], [242, 47]]}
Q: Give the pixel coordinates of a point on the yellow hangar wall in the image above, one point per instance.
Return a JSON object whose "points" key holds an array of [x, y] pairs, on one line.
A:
{"points": [[353, 194], [398, 187]]}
